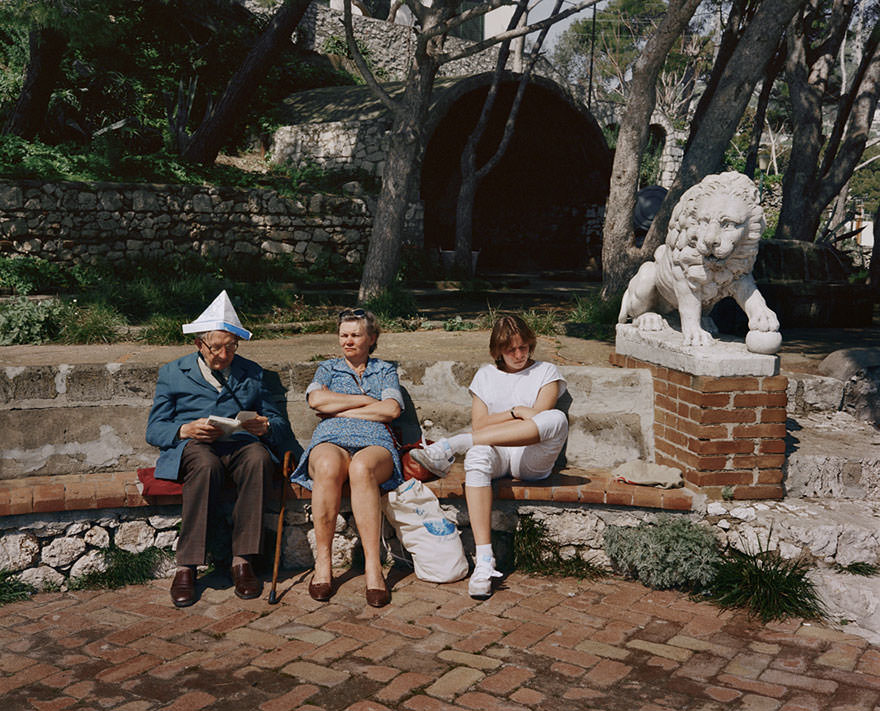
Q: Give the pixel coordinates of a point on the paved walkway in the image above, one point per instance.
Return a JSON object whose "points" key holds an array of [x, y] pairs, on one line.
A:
{"points": [[539, 643]]}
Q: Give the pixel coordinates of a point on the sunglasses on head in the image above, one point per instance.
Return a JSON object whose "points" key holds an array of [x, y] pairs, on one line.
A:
{"points": [[349, 313]]}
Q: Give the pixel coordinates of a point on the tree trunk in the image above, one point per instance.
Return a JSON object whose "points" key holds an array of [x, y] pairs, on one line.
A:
{"points": [[47, 47], [205, 143], [770, 74], [722, 115], [818, 170], [620, 256], [403, 163]]}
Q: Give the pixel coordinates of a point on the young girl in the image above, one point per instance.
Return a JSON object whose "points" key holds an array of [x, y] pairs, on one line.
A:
{"points": [[516, 431]]}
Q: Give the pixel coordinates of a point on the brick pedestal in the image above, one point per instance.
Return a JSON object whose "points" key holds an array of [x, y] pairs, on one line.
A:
{"points": [[725, 430]]}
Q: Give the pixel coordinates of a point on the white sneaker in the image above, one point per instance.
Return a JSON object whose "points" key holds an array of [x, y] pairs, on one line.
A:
{"points": [[437, 458], [480, 584]]}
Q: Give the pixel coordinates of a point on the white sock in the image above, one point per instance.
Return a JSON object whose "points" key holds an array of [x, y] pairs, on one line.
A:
{"points": [[484, 551], [461, 443]]}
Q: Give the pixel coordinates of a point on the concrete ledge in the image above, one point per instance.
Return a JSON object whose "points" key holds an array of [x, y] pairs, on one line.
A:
{"points": [[84, 492], [724, 358]]}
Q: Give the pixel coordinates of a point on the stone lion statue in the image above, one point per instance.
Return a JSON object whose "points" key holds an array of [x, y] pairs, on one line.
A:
{"points": [[710, 249]]}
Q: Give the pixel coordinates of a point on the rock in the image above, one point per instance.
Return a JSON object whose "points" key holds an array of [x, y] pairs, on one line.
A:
{"points": [[42, 578], [61, 552], [91, 562], [97, 537], [135, 536], [18, 551]]}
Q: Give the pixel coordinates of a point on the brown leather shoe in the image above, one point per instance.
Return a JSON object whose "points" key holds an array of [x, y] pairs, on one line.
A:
{"points": [[321, 592], [183, 587], [378, 597], [247, 585]]}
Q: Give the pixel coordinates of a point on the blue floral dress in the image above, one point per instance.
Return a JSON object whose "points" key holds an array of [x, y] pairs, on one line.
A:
{"points": [[379, 381]]}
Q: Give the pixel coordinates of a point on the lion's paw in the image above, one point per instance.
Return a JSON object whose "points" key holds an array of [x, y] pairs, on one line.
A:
{"points": [[765, 320], [649, 321], [696, 337]]}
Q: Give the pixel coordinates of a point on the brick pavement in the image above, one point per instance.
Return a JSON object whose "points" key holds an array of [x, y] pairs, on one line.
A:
{"points": [[537, 644]]}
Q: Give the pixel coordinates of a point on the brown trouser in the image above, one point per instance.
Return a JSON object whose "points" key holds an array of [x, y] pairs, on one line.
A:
{"points": [[203, 471]]}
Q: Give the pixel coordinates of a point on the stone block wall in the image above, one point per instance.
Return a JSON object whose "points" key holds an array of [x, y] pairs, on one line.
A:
{"points": [[390, 46], [726, 434], [76, 222], [337, 145]]}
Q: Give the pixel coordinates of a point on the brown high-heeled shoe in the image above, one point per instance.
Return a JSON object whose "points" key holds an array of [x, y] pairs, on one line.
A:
{"points": [[321, 592], [378, 597]]}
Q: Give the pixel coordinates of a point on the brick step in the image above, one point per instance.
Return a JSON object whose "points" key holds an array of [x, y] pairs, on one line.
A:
{"points": [[78, 492]]}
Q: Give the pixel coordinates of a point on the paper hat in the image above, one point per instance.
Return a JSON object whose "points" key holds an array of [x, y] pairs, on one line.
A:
{"points": [[219, 316]]}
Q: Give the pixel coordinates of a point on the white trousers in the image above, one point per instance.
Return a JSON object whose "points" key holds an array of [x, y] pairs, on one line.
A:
{"points": [[483, 463]]}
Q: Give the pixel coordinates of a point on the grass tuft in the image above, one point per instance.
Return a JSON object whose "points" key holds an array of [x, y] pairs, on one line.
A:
{"points": [[766, 585], [859, 568], [12, 589], [534, 553], [123, 568]]}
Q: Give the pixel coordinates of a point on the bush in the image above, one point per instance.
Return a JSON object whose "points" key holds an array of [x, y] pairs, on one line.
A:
{"points": [[32, 275], [593, 317], [767, 585], [23, 321], [93, 324], [392, 305], [671, 553]]}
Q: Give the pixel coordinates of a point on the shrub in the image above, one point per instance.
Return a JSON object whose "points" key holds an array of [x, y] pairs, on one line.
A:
{"points": [[32, 275], [12, 589], [93, 324], [542, 322], [672, 552], [534, 553], [392, 305], [23, 321], [767, 585], [164, 331], [593, 317]]}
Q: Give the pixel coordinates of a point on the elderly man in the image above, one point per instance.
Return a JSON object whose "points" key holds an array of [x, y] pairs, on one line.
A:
{"points": [[201, 452]]}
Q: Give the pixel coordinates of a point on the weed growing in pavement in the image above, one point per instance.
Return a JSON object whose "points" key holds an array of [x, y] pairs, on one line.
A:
{"points": [[669, 553], [858, 568], [534, 553], [12, 589], [766, 585], [123, 568]]}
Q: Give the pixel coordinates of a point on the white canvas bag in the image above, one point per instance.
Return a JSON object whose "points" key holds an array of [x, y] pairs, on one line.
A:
{"points": [[431, 538]]}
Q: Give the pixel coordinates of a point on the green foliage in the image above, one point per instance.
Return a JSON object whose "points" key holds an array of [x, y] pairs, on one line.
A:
{"points": [[337, 45], [859, 568], [32, 275], [765, 584], [534, 553], [592, 317], [12, 589], [672, 552], [23, 321], [392, 306], [458, 324], [164, 331], [123, 568], [543, 323], [94, 324]]}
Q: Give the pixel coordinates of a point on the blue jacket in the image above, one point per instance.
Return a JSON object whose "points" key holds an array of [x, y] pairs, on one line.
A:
{"points": [[183, 395]]}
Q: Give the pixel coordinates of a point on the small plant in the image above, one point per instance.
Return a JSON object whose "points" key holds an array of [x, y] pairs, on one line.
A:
{"points": [[123, 568], [767, 585], [534, 553], [164, 331], [94, 324], [593, 317], [392, 305], [544, 323], [458, 324], [672, 552], [727, 493], [858, 568], [12, 589], [23, 321]]}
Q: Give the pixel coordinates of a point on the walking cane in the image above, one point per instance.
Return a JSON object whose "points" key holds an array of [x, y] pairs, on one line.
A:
{"points": [[280, 529]]}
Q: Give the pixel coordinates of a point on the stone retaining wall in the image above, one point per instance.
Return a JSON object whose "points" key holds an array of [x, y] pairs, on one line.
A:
{"points": [[74, 222]]}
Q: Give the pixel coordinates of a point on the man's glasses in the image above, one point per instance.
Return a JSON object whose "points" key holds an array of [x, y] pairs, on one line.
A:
{"points": [[352, 313], [228, 347]]}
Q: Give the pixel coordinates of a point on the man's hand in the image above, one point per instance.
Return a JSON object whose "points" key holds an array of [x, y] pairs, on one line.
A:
{"points": [[200, 430], [257, 426]]}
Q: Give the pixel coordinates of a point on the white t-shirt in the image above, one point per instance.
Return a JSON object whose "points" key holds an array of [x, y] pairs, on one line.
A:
{"points": [[502, 391]]}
